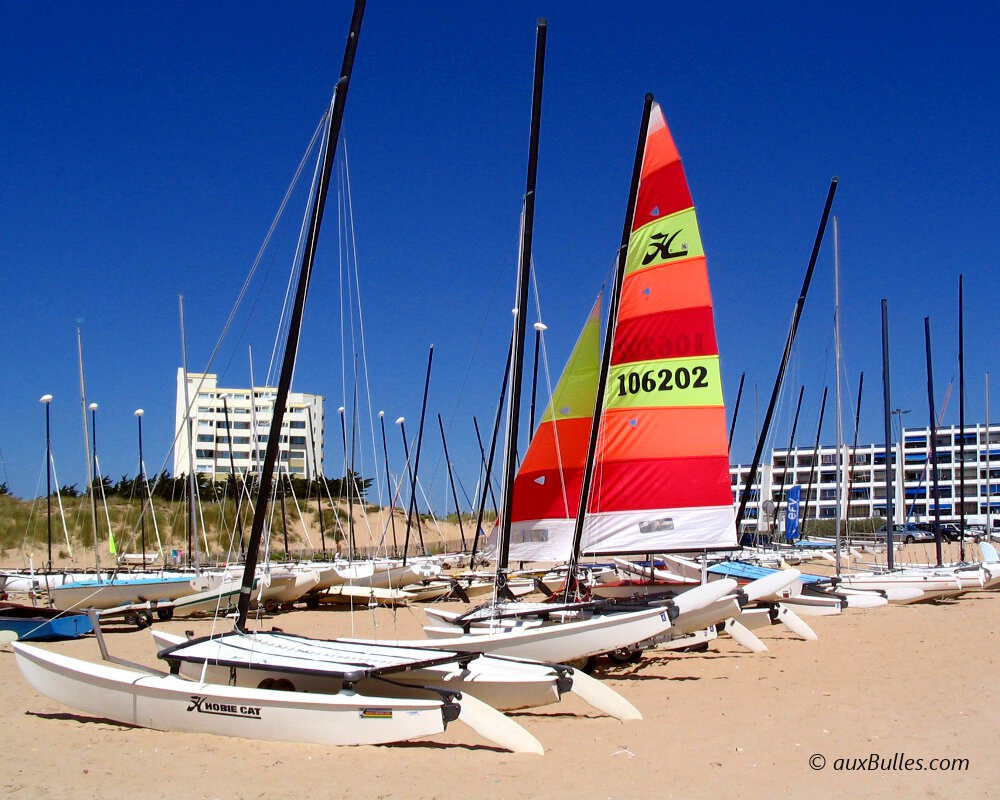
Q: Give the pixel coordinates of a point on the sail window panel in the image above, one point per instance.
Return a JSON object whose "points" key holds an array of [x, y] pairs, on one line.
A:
{"points": [[666, 239], [664, 433], [662, 193], [680, 482], [673, 334], [665, 382]]}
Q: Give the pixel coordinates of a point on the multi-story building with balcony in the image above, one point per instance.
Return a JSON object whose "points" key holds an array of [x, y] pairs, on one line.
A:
{"points": [[971, 457], [230, 428]]}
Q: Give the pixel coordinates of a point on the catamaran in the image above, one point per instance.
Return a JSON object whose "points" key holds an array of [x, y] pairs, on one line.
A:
{"points": [[342, 714]]}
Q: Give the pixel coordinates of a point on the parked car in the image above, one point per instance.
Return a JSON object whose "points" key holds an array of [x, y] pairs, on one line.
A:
{"points": [[952, 531], [907, 533]]}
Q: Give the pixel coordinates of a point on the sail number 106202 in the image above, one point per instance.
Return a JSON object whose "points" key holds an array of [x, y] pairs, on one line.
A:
{"points": [[662, 380]]}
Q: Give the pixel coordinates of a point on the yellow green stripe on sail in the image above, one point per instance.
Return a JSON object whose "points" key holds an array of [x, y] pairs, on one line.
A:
{"points": [[668, 238], [576, 391], [665, 383]]}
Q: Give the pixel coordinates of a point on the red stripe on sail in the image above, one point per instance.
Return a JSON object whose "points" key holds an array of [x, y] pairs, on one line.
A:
{"points": [[654, 484], [661, 193], [687, 333], [540, 495]]}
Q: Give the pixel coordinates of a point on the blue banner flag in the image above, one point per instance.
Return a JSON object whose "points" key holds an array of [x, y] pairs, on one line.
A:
{"points": [[792, 514]]}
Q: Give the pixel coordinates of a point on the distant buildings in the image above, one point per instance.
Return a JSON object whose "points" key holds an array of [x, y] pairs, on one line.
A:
{"points": [[230, 428], [863, 479]]}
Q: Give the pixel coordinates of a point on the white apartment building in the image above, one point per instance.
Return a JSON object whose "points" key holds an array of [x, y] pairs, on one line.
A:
{"points": [[230, 429], [862, 479]]}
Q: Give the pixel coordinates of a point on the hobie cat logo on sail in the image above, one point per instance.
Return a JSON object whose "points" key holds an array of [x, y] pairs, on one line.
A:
{"points": [[205, 706], [659, 247]]}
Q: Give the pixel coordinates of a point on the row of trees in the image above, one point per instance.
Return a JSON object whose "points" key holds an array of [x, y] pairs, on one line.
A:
{"points": [[166, 487]]}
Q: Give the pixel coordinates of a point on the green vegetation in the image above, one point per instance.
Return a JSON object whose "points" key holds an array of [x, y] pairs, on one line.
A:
{"points": [[24, 527]]}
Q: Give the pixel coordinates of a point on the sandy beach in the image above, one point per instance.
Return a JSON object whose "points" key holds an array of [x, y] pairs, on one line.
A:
{"points": [[912, 680]]}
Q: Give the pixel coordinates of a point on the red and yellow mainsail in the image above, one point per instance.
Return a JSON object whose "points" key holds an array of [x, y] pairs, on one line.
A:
{"points": [[661, 473]]}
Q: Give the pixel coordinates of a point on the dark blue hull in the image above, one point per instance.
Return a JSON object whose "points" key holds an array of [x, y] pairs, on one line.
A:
{"points": [[35, 624]]}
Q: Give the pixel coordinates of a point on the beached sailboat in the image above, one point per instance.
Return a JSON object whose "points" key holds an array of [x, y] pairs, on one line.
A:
{"points": [[24, 622], [266, 711], [640, 436], [659, 473]]}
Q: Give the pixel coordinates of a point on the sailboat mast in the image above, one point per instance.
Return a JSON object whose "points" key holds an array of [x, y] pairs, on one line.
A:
{"points": [[853, 452], [488, 462], [616, 290], [451, 480], [291, 345], [758, 452], [86, 444], [961, 425], [788, 450], [388, 484], [414, 508], [189, 424], [736, 409], [839, 426], [887, 423], [815, 458], [934, 467], [989, 510], [524, 271]]}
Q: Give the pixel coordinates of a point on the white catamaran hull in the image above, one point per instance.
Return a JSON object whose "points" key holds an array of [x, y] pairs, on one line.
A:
{"points": [[170, 703], [558, 642], [504, 684], [119, 592]]}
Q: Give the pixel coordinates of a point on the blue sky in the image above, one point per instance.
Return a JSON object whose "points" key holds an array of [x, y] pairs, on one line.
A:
{"points": [[146, 148]]}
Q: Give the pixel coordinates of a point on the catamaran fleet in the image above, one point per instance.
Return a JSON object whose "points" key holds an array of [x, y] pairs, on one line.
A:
{"points": [[620, 509]]}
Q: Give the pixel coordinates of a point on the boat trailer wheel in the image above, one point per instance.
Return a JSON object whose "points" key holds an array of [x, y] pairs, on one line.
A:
{"points": [[625, 655], [165, 613], [587, 664], [141, 619]]}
